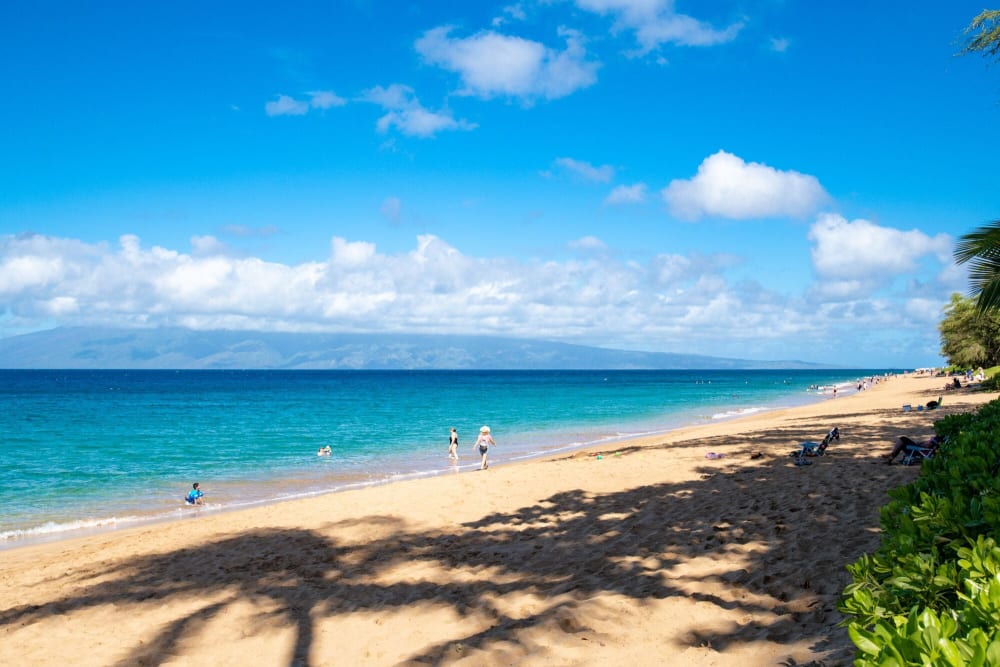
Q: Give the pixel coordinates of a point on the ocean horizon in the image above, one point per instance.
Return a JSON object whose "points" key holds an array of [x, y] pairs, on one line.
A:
{"points": [[91, 450]]}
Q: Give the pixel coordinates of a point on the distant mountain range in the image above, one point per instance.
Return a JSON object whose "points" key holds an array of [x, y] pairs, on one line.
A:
{"points": [[177, 348]]}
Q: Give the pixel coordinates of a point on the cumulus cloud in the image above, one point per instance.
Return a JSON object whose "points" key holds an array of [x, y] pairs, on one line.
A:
{"points": [[587, 171], [208, 245], [655, 22], [728, 187], [405, 113], [491, 64], [627, 194], [286, 105], [670, 302], [861, 250], [347, 253]]}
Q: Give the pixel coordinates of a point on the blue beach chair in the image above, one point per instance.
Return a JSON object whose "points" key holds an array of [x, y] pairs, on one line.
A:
{"points": [[811, 448], [915, 452]]}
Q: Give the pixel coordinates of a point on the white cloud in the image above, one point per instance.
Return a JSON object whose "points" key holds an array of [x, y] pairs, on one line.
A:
{"points": [[672, 302], [405, 113], [325, 99], [862, 250], [510, 12], [627, 194], [779, 44], [588, 243], [494, 65], [728, 187], [207, 245], [587, 171], [655, 22], [286, 106], [346, 253]]}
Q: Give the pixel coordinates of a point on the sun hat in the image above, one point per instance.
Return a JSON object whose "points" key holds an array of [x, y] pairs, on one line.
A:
{"points": [[485, 429]]}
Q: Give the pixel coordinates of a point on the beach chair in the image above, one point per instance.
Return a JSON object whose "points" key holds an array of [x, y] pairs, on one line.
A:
{"points": [[810, 448], [933, 405], [915, 452]]}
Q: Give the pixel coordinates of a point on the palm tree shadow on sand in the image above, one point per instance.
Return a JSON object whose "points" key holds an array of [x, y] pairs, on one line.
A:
{"points": [[566, 549]]}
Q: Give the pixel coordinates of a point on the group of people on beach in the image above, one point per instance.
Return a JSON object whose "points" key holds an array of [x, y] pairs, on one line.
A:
{"points": [[483, 444]]}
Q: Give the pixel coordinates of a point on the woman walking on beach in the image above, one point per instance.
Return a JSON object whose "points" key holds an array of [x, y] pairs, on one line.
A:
{"points": [[453, 445], [483, 442]]}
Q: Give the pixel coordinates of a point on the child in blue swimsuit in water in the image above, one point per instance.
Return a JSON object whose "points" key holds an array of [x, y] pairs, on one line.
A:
{"points": [[195, 496]]}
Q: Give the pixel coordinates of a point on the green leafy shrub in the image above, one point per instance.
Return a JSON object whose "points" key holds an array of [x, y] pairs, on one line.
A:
{"points": [[992, 381], [930, 594]]}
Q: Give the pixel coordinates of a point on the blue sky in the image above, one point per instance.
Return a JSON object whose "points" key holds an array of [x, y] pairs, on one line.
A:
{"points": [[747, 179]]}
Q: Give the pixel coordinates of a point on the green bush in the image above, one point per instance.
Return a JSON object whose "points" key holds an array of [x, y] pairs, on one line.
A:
{"points": [[930, 594], [992, 381]]}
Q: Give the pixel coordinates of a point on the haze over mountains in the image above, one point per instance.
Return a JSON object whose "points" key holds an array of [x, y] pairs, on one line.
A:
{"points": [[178, 348]]}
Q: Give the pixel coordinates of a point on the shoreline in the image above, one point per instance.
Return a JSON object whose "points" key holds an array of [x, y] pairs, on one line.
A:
{"points": [[54, 531], [558, 560]]}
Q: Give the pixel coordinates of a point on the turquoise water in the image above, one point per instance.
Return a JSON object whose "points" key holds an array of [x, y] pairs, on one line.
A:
{"points": [[86, 449]]}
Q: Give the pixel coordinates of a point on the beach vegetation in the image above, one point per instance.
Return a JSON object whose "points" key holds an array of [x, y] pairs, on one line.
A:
{"points": [[930, 594], [984, 34], [980, 248], [970, 337], [992, 381]]}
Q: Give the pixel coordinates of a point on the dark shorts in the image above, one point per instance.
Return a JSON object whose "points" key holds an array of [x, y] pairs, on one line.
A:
{"points": [[483, 449]]}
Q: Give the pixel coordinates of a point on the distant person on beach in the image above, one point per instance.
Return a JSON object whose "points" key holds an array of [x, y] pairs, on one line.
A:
{"points": [[483, 442], [453, 445], [195, 496], [324, 451]]}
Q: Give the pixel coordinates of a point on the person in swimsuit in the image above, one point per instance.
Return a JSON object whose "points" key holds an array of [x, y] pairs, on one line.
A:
{"points": [[453, 445], [483, 442], [195, 496]]}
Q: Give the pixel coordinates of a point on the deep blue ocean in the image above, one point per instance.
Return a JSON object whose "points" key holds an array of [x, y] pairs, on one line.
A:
{"points": [[82, 450]]}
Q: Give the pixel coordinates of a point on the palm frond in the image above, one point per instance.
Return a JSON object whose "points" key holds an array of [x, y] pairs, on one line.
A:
{"points": [[989, 295], [979, 243]]}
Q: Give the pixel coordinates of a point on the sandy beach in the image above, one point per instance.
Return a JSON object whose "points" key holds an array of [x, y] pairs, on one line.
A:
{"points": [[651, 555]]}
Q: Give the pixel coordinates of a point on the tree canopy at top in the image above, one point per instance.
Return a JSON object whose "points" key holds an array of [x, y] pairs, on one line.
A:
{"points": [[985, 34]]}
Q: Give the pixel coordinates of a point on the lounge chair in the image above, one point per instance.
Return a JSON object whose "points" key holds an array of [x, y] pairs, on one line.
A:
{"points": [[915, 452], [810, 448], [932, 405]]}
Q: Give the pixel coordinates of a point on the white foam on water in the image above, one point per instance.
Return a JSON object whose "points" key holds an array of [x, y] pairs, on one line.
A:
{"points": [[738, 412]]}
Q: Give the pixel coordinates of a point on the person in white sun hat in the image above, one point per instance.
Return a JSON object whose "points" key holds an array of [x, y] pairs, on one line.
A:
{"points": [[483, 442]]}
